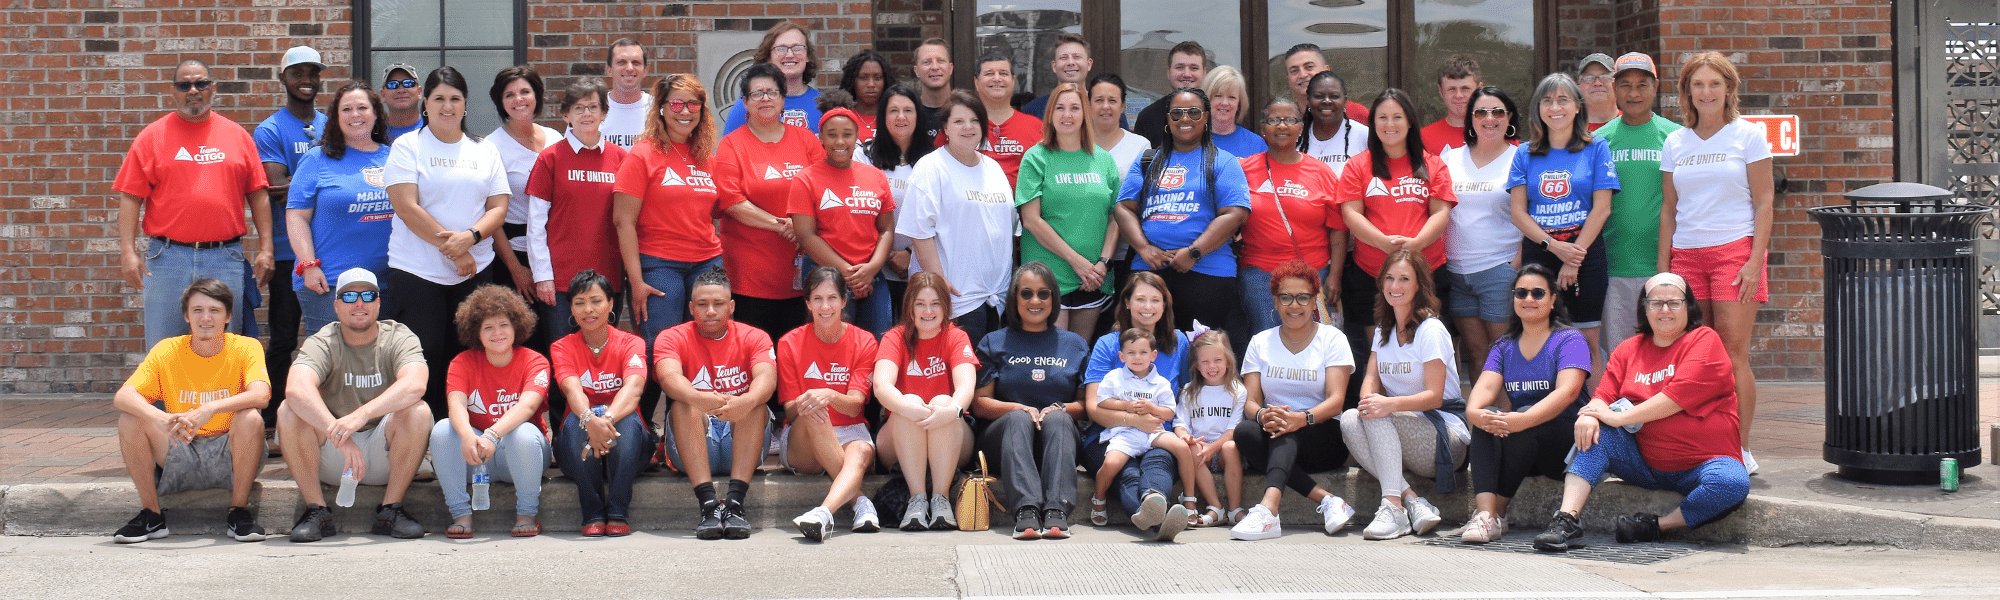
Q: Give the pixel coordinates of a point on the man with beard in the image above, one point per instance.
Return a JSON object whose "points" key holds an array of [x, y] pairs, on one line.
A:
{"points": [[281, 140]]}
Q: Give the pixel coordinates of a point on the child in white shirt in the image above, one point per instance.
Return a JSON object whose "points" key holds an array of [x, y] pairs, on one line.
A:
{"points": [[1137, 382], [1210, 406]]}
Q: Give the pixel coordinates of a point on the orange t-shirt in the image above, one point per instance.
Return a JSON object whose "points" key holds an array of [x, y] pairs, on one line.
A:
{"points": [[760, 262], [1306, 188], [173, 374], [677, 202]]}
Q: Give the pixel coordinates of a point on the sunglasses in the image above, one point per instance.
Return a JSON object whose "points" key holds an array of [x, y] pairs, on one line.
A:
{"points": [[1041, 294], [1521, 293], [1295, 299], [198, 84], [684, 106], [397, 84], [1182, 114], [353, 297], [1490, 113]]}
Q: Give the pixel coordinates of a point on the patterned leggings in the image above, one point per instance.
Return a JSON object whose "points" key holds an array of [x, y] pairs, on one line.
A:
{"points": [[1712, 489]]}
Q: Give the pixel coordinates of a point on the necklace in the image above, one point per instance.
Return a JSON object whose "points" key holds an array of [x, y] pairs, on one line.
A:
{"points": [[597, 349]]}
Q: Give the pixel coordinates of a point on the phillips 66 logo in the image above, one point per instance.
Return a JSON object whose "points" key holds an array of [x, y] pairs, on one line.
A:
{"points": [[1555, 184], [1173, 177]]}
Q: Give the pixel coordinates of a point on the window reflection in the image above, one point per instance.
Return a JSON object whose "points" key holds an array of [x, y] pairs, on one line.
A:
{"points": [[1500, 34], [1026, 30], [1150, 28], [1353, 35]]}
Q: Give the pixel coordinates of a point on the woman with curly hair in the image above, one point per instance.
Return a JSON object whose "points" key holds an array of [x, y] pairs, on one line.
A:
{"points": [[492, 390]]}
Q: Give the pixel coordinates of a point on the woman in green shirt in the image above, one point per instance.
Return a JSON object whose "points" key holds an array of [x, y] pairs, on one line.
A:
{"points": [[1065, 191]]}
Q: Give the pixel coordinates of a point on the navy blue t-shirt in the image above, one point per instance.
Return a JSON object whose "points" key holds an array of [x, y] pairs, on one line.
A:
{"points": [[1032, 368], [1529, 380]]}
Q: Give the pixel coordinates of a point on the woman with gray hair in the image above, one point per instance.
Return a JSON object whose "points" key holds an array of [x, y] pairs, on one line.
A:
{"points": [[1025, 407], [1561, 185]]}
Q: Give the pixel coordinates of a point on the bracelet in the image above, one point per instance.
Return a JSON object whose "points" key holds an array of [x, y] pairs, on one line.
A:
{"points": [[489, 437], [300, 269]]}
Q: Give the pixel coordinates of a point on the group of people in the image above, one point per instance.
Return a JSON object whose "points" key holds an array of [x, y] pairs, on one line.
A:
{"points": [[892, 275]]}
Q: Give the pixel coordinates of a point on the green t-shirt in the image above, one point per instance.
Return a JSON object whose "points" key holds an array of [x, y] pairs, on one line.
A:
{"points": [[1077, 190], [1632, 236]]}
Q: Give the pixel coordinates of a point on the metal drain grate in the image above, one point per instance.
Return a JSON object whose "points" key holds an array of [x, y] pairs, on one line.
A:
{"points": [[1601, 548]]}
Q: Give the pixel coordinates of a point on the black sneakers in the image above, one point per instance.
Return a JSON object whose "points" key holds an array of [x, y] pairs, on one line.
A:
{"points": [[243, 527], [1028, 523], [711, 521], [148, 525], [391, 520], [1565, 533], [314, 525], [734, 525], [1637, 527], [1055, 524]]}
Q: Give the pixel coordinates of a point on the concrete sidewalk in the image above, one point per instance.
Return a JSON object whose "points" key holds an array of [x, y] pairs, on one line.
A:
{"points": [[60, 474]]}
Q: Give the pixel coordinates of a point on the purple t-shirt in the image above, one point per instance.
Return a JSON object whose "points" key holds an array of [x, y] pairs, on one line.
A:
{"points": [[1528, 380]]}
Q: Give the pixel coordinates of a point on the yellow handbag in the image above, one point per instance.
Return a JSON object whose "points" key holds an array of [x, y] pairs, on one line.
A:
{"points": [[973, 499]]}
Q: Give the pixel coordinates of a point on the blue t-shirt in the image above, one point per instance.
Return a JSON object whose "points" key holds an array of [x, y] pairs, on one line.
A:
{"points": [[1170, 365], [1241, 142], [1181, 206], [801, 110], [351, 212], [1561, 184], [1032, 368], [1528, 380], [282, 138], [396, 132]]}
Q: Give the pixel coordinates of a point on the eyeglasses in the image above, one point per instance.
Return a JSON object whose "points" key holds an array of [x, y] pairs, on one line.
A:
{"points": [[1521, 293], [586, 108], [397, 84], [1666, 305], [198, 84], [1040, 294], [684, 106], [789, 49], [1282, 121], [1295, 299], [1490, 113], [1594, 79], [764, 95], [311, 133], [1182, 114], [353, 297], [1558, 100]]}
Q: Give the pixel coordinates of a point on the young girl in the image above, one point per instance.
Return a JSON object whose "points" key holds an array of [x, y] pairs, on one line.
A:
{"points": [[1138, 382], [1209, 409]]}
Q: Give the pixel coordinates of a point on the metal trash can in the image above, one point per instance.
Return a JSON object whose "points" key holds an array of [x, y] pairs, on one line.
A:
{"points": [[1902, 379]]}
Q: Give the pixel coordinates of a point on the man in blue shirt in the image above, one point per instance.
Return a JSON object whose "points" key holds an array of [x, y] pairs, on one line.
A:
{"points": [[401, 99], [281, 139]]}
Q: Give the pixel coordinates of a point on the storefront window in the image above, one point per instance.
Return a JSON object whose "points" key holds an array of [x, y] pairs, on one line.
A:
{"points": [[1497, 33], [1150, 28]]}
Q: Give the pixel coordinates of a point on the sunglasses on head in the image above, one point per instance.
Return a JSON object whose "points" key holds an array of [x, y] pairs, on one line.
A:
{"points": [[198, 84], [1521, 293], [396, 84], [1041, 294], [364, 296]]}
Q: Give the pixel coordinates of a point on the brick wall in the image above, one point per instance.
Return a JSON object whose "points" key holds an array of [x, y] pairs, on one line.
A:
{"points": [[567, 39], [902, 24]]}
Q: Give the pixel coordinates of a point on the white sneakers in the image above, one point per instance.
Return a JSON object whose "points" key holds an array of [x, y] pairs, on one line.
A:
{"points": [[1258, 524], [917, 515], [1335, 512], [1749, 462], [1423, 516], [942, 519], [1390, 523], [816, 524], [865, 520], [1483, 528]]}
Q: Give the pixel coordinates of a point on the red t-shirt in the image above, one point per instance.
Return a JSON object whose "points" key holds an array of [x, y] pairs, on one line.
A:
{"points": [[1398, 206], [1358, 112], [491, 391], [193, 177], [927, 367], [1007, 142], [844, 204], [1441, 135], [677, 202], [578, 186], [1307, 190], [806, 363], [867, 127], [622, 363], [761, 262], [722, 366], [1694, 373]]}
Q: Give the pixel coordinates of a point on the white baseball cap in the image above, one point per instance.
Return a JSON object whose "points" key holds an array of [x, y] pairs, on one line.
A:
{"points": [[354, 276], [302, 55]]}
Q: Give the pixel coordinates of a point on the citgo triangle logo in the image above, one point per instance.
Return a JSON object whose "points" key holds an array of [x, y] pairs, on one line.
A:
{"points": [[812, 372], [701, 381], [914, 370], [182, 154], [828, 200], [473, 404], [671, 178], [771, 172], [1375, 188]]}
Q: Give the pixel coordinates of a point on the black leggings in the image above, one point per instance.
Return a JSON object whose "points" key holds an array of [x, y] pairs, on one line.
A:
{"points": [[1200, 296], [428, 309], [1499, 465], [1289, 459]]}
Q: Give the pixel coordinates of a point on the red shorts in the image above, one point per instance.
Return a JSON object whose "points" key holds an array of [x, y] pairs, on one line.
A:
{"points": [[1711, 272]]}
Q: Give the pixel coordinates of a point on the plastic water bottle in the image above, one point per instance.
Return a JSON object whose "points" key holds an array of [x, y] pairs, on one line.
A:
{"points": [[481, 488], [597, 410], [346, 496]]}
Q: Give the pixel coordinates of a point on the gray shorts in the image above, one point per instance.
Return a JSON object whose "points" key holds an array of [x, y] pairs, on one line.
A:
{"points": [[198, 465]]}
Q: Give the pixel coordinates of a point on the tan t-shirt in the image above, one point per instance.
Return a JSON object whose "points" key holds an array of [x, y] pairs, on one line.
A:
{"points": [[350, 376]]}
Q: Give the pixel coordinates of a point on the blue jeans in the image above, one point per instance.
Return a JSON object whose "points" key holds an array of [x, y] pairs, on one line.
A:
{"points": [[171, 269], [673, 279], [1711, 489], [876, 313], [599, 497], [1255, 287], [317, 309], [721, 444], [520, 459], [1149, 472]]}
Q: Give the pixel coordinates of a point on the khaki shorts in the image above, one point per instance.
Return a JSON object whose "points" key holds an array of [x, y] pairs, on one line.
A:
{"points": [[201, 464], [842, 434], [374, 449]]}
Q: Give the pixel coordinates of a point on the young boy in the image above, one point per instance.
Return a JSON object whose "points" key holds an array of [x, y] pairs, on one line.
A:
{"points": [[1122, 388]]}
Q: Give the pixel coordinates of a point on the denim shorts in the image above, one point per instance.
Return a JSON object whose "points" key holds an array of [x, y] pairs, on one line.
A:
{"points": [[1485, 294]]}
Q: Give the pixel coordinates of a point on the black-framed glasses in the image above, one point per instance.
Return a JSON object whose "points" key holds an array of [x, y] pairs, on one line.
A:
{"points": [[1283, 121], [1666, 305], [1490, 113], [1182, 114], [1521, 293], [397, 84], [1040, 294], [765, 94], [198, 84], [789, 49], [1295, 299], [364, 296]]}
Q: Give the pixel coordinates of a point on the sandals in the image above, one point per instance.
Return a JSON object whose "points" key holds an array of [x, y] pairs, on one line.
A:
{"points": [[1195, 519], [1236, 516], [528, 529], [1099, 512], [458, 531], [1208, 518]]}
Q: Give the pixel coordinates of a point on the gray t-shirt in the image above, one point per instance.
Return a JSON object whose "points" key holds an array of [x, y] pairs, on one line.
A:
{"points": [[350, 376]]}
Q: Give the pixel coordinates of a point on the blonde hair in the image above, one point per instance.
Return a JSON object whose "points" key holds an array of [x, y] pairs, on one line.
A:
{"points": [[1232, 376], [1722, 66], [1226, 77]]}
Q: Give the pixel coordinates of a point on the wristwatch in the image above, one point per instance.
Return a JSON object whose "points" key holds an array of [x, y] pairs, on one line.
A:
{"points": [[1194, 251], [1309, 418], [1546, 241], [478, 237]]}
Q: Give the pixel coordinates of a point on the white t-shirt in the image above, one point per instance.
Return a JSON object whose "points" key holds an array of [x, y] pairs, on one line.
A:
{"points": [[453, 182], [1481, 233], [1213, 411], [1122, 384], [969, 211], [518, 160], [899, 186], [1127, 151], [1349, 140], [1296, 381], [624, 123], [1712, 183], [1402, 367]]}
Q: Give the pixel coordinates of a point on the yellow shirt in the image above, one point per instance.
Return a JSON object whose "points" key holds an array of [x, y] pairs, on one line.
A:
{"points": [[172, 373]]}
